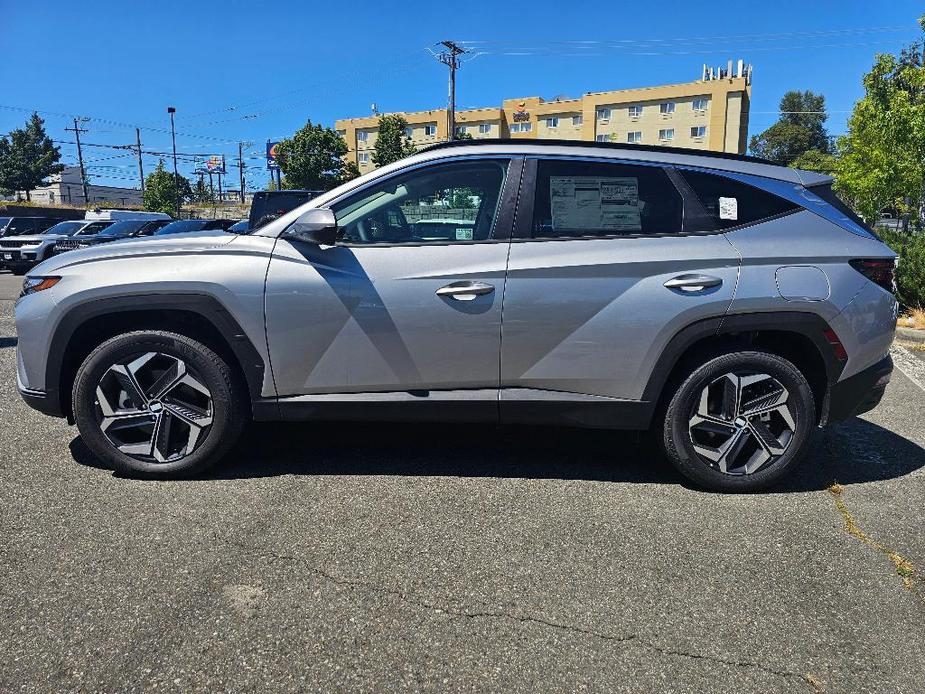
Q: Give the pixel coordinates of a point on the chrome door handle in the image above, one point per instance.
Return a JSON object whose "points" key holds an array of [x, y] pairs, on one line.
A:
{"points": [[693, 283], [465, 291]]}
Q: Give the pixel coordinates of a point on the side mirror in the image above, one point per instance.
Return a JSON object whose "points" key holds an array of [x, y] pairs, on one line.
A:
{"points": [[317, 226]]}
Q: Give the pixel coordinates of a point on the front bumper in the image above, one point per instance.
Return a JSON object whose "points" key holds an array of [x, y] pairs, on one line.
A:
{"points": [[46, 402], [859, 393]]}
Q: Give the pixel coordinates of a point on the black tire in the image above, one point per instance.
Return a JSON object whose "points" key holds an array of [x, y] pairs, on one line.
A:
{"points": [[228, 410], [676, 436]]}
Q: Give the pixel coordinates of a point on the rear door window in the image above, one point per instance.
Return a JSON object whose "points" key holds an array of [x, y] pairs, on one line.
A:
{"points": [[730, 203], [582, 199]]}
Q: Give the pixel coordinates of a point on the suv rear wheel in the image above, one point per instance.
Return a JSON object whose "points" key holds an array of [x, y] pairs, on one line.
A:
{"points": [[739, 422], [157, 404]]}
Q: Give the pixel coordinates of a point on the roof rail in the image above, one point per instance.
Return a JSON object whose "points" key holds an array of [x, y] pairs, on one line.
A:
{"points": [[600, 145]]}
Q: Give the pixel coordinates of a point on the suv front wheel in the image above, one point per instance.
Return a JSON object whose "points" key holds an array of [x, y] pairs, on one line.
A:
{"points": [[739, 422], [157, 404]]}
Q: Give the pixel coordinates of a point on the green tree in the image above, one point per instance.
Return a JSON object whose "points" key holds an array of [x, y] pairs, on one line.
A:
{"points": [[313, 158], [201, 192], [881, 161], [27, 158], [463, 135], [814, 160], [161, 191], [800, 129], [392, 141]]}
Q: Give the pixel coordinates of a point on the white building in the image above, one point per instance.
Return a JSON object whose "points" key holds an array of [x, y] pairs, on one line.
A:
{"points": [[65, 188]]}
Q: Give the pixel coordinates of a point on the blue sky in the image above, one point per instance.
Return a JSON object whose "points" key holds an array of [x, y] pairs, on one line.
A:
{"points": [[253, 71]]}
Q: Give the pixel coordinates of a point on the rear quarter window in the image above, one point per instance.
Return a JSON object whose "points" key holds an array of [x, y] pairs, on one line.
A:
{"points": [[730, 203]]}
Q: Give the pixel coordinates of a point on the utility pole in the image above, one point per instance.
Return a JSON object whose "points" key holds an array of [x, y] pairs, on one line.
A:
{"points": [[176, 177], [449, 59], [141, 168], [241, 166], [80, 157]]}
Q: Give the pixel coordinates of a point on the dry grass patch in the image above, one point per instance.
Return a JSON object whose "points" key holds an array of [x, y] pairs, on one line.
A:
{"points": [[915, 318]]}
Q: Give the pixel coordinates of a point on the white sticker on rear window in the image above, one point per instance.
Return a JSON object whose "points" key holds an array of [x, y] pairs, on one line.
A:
{"points": [[595, 203], [728, 208], [463, 234]]}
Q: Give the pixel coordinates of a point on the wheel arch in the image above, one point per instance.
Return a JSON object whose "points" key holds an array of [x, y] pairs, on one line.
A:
{"points": [[198, 316], [796, 336]]}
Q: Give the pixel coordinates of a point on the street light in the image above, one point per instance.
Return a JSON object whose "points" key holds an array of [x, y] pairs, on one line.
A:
{"points": [[176, 177]]}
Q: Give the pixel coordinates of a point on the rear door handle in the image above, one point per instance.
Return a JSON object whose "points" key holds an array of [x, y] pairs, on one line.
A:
{"points": [[465, 291], [693, 283]]}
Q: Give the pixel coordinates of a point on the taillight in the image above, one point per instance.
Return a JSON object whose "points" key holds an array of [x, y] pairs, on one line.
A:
{"points": [[877, 270]]}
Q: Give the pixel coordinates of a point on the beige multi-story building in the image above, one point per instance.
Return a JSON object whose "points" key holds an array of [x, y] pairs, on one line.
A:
{"points": [[710, 113]]}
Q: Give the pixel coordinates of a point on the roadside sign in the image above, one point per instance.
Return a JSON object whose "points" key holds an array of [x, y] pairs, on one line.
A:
{"points": [[272, 165]]}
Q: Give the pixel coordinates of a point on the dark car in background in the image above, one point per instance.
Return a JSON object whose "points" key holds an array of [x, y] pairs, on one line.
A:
{"points": [[273, 204], [184, 226], [18, 226], [125, 229]]}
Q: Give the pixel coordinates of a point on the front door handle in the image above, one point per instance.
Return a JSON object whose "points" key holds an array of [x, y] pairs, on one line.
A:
{"points": [[693, 283], [465, 291]]}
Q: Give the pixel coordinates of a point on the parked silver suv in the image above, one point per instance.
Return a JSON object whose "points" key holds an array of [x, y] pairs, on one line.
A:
{"points": [[728, 303]]}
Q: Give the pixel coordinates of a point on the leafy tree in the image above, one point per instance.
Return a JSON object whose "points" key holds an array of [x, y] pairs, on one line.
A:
{"points": [[201, 192], [461, 198], [161, 191], [800, 129], [463, 135], [313, 158], [882, 158], [814, 160], [392, 143], [27, 158]]}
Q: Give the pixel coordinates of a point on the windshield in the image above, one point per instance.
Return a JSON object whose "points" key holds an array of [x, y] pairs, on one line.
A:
{"points": [[93, 228], [124, 228], [4, 221], [63, 228], [182, 226], [239, 227]]}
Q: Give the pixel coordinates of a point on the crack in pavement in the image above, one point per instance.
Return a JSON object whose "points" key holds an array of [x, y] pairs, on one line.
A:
{"points": [[912, 579], [523, 619]]}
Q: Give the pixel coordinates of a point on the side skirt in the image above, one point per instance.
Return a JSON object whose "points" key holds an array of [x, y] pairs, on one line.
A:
{"points": [[491, 406]]}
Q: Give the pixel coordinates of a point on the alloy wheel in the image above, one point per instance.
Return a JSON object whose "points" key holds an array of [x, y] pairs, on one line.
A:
{"points": [[153, 407], [742, 423]]}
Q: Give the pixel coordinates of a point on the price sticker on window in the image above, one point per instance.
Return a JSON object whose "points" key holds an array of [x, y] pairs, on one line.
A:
{"points": [[728, 208], [463, 234]]}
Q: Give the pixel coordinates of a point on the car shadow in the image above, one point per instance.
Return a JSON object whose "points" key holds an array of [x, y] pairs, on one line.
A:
{"points": [[852, 452], [6, 342]]}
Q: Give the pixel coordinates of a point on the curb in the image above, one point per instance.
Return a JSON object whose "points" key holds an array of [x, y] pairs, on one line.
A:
{"points": [[910, 334]]}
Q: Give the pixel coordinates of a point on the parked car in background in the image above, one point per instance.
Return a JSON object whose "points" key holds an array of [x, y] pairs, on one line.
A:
{"points": [[268, 205], [240, 227], [20, 226], [128, 225], [184, 226], [20, 253], [727, 303]]}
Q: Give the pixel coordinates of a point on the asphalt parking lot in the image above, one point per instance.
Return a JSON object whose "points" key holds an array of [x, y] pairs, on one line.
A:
{"points": [[338, 557]]}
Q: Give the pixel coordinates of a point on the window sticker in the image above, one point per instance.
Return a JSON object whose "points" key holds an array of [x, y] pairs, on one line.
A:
{"points": [[595, 203], [728, 208], [463, 234]]}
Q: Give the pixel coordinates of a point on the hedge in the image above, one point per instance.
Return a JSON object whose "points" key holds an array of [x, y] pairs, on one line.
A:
{"points": [[910, 273]]}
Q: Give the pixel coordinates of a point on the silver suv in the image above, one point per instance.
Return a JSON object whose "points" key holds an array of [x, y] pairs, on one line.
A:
{"points": [[727, 303]]}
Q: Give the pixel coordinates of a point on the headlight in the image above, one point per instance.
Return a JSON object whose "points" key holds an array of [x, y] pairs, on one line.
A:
{"points": [[31, 285]]}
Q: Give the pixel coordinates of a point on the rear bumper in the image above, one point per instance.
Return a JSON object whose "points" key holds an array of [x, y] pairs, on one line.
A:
{"points": [[859, 393]]}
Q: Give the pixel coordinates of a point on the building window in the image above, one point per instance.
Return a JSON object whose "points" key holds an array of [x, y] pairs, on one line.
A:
{"points": [[602, 138], [362, 135], [666, 134], [666, 108], [603, 114], [552, 122], [363, 157], [461, 129], [701, 104], [699, 131], [578, 120], [430, 130], [635, 111], [521, 127], [634, 137], [409, 132], [484, 128]]}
